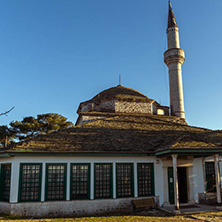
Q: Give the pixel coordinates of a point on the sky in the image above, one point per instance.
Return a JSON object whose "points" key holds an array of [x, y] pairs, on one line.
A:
{"points": [[55, 54]]}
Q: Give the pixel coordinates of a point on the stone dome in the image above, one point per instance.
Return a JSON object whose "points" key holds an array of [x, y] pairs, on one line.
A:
{"points": [[115, 99], [119, 93], [118, 99]]}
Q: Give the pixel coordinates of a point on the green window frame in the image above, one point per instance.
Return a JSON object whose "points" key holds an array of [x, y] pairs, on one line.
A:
{"points": [[124, 180], [55, 181], [103, 180], [145, 175], [80, 181], [5, 181], [30, 182], [210, 177]]}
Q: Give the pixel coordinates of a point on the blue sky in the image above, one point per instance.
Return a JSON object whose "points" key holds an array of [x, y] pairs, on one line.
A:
{"points": [[55, 54]]}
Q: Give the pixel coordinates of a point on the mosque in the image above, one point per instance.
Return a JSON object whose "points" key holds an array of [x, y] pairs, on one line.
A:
{"points": [[124, 147]]}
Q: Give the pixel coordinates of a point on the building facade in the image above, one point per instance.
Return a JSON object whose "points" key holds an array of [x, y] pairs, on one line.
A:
{"points": [[124, 146]]}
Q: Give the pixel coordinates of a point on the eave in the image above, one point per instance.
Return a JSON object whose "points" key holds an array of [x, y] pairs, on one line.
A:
{"points": [[69, 153], [196, 152]]}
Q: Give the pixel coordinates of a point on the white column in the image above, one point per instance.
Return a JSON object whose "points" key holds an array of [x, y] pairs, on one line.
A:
{"points": [[166, 187], [43, 182], [92, 182], [190, 185], [14, 182], [68, 182], [114, 180], [217, 176], [204, 174], [220, 170], [176, 193], [135, 181]]}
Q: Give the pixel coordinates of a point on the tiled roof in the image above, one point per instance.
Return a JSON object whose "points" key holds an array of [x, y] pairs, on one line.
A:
{"points": [[125, 133]]}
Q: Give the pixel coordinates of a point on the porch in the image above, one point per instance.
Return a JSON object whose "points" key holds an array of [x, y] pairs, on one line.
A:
{"points": [[188, 209], [185, 185]]}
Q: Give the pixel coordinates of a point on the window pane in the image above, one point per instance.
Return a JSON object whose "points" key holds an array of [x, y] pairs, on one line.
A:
{"points": [[145, 180], [30, 182], [210, 177], [103, 180], [5, 181], [56, 182], [80, 181], [124, 180]]}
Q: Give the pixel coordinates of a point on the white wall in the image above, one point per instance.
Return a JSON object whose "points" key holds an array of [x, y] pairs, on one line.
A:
{"points": [[198, 177], [83, 159]]}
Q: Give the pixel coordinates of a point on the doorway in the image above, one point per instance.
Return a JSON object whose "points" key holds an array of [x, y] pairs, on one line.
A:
{"points": [[182, 184]]}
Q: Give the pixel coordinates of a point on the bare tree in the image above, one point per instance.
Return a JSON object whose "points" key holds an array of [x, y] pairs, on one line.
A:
{"points": [[6, 112]]}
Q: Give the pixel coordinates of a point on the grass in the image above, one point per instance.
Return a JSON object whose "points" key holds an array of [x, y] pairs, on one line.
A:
{"points": [[212, 216]]}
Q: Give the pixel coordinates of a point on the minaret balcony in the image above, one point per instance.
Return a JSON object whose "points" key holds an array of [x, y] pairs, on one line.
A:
{"points": [[175, 55]]}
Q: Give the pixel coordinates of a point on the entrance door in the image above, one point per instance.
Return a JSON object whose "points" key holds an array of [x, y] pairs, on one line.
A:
{"points": [[171, 185], [182, 184]]}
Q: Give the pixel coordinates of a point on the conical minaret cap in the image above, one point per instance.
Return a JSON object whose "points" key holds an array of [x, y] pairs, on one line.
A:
{"points": [[171, 18]]}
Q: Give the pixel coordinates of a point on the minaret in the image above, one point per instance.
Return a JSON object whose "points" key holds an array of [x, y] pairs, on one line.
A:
{"points": [[174, 58]]}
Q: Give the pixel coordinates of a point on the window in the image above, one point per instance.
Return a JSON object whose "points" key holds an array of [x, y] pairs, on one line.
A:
{"points": [[145, 179], [5, 182], [124, 179], [210, 177], [55, 181], [30, 182], [103, 180], [80, 181]]}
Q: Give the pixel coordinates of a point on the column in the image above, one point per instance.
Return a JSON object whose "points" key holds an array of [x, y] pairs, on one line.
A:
{"points": [[176, 192], [190, 185], [135, 180], [14, 186], [114, 179], [92, 181], [68, 181], [43, 182], [165, 186], [204, 174], [217, 177]]}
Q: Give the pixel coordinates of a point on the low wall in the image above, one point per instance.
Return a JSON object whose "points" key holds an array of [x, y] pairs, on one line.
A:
{"points": [[71, 208], [207, 198], [5, 208]]}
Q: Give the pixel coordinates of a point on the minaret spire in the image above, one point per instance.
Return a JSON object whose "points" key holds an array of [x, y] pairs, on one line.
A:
{"points": [[171, 18], [174, 58]]}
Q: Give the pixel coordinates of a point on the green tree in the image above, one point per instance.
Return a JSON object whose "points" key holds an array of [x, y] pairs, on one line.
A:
{"points": [[6, 136], [30, 126]]}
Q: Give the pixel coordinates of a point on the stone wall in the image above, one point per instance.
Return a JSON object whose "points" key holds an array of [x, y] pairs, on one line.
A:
{"points": [[107, 106], [5, 208], [115, 106], [133, 107], [86, 108], [72, 208], [89, 118]]}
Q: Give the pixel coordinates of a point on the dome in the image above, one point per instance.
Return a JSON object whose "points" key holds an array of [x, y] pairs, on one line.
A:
{"points": [[120, 99], [120, 93]]}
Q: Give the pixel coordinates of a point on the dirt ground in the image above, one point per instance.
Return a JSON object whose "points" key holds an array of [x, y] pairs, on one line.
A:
{"points": [[140, 217]]}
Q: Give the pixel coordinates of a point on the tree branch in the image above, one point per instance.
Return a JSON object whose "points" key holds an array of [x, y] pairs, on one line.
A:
{"points": [[6, 112]]}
